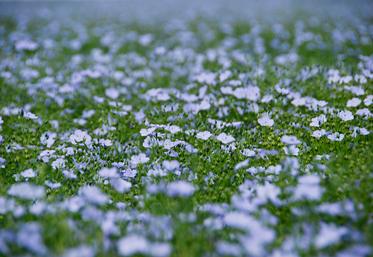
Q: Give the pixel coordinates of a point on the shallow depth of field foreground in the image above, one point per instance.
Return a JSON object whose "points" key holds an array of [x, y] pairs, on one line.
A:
{"points": [[186, 128]]}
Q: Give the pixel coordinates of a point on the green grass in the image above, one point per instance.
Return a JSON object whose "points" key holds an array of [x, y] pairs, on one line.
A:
{"points": [[346, 176]]}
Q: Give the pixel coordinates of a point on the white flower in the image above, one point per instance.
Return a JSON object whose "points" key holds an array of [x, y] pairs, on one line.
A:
{"points": [[173, 129], [364, 112], [336, 136], [225, 75], [105, 142], [241, 165], [146, 132], [30, 115], [160, 249], [133, 244], [98, 99], [112, 93], [2, 162], [204, 135], [136, 244], [265, 120], [284, 59], [250, 93], [267, 98], [138, 159], [168, 144], [364, 132], [88, 114], [355, 90], [58, 163], [129, 173], [93, 194], [171, 165], [248, 153], [1, 120], [225, 138], [29, 173], [158, 94], [291, 150], [318, 121], [81, 251], [52, 185], [267, 192], [46, 155], [345, 79], [180, 188], [329, 234], [319, 133], [26, 45], [359, 131], [30, 237], [69, 174], [354, 102], [299, 101], [120, 185], [224, 248], [239, 220], [68, 151], [55, 124], [290, 140], [146, 39], [367, 101], [308, 188], [80, 122], [345, 115], [80, 136], [108, 172], [26, 191], [48, 138], [206, 78]]}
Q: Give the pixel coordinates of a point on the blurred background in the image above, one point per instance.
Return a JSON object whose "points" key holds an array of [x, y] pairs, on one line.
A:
{"points": [[162, 10]]}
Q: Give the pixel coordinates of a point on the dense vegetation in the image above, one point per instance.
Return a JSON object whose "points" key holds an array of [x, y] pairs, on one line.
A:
{"points": [[194, 137]]}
